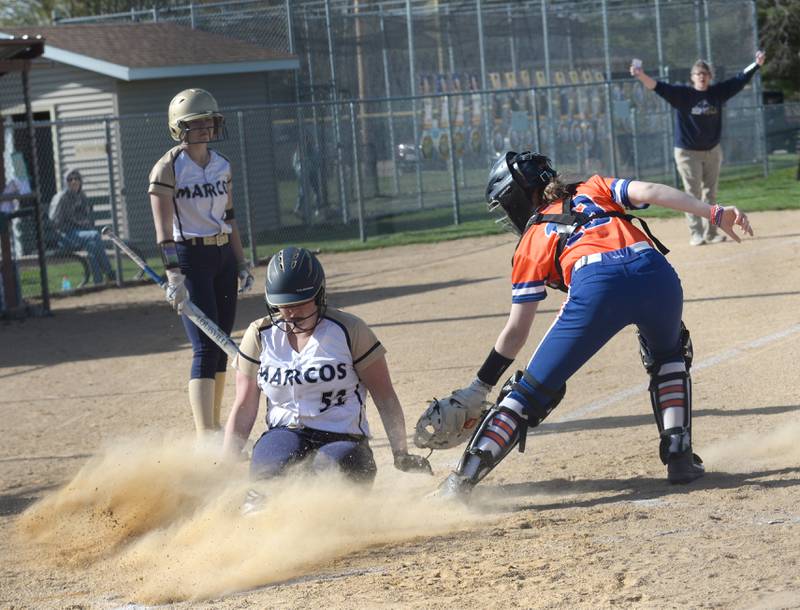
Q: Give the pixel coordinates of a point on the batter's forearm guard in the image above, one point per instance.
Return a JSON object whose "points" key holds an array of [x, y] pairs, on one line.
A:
{"points": [[169, 254]]}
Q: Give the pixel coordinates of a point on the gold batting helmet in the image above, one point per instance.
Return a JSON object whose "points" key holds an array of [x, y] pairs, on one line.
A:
{"points": [[190, 105]]}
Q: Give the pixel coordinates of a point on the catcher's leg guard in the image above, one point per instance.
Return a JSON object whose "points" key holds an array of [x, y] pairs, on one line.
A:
{"points": [[671, 399], [504, 426], [493, 440]]}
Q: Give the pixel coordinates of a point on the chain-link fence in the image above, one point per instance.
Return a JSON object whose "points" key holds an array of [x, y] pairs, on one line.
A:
{"points": [[315, 172], [253, 21], [438, 90]]}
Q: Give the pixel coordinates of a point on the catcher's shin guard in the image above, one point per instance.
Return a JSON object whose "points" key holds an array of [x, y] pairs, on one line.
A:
{"points": [[494, 439], [671, 399]]}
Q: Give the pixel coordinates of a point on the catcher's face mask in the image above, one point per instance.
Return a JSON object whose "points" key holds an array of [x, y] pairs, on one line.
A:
{"points": [[516, 182]]}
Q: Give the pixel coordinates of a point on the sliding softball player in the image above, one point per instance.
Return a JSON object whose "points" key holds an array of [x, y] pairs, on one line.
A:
{"points": [[315, 366]]}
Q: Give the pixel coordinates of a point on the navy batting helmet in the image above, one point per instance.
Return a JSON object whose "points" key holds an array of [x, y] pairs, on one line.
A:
{"points": [[516, 182], [294, 275]]}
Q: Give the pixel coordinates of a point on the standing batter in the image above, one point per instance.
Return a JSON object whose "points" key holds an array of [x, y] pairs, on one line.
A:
{"points": [[190, 196], [578, 237], [314, 365]]}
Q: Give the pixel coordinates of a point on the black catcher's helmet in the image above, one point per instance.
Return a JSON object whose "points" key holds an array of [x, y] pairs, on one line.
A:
{"points": [[294, 275], [515, 181]]}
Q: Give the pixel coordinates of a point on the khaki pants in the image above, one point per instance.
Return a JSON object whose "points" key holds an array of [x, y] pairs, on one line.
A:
{"points": [[699, 170]]}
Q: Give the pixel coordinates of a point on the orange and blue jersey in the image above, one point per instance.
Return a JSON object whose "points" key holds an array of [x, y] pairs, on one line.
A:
{"points": [[534, 265]]}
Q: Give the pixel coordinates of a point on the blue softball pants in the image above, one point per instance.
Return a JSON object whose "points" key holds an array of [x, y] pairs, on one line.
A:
{"points": [[279, 448], [624, 287], [211, 279]]}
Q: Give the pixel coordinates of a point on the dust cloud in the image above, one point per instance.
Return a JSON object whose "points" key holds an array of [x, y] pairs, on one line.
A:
{"points": [[162, 519], [758, 448]]}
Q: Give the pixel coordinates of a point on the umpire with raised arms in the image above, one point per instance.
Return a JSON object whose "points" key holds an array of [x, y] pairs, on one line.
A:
{"points": [[698, 129], [190, 196]]}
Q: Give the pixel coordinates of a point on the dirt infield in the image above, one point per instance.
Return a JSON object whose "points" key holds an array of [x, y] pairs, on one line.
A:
{"points": [[583, 519]]}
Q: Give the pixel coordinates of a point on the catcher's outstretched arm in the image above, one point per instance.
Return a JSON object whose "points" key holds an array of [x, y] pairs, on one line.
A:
{"points": [[450, 421], [515, 333]]}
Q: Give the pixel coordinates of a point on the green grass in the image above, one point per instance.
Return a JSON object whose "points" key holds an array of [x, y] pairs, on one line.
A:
{"points": [[745, 187], [30, 281], [398, 220], [750, 191]]}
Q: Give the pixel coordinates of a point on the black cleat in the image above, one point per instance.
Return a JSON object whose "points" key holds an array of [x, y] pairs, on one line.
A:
{"points": [[684, 467], [454, 487]]}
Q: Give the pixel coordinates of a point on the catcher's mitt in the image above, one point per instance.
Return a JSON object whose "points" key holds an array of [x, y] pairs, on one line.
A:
{"points": [[450, 421]]}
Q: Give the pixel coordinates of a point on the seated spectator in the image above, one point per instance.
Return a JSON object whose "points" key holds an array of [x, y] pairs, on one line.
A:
{"points": [[71, 215]]}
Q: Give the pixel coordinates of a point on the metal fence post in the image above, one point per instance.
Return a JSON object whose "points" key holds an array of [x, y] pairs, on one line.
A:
{"points": [[453, 167], [485, 106], [459, 100], [246, 187], [414, 121], [387, 88], [609, 100], [536, 126], [337, 128], [707, 29], [761, 126], [319, 141], [551, 147], [302, 148], [37, 191], [698, 29], [635, 141], [112, 196], [362, 235]]}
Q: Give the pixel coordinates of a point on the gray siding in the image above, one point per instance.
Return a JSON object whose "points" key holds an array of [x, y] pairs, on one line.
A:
{"points": [[146, 138], [71, 95]]}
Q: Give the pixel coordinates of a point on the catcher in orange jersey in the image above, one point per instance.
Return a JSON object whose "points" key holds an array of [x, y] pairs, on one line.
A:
{"points": [[579, 238]]}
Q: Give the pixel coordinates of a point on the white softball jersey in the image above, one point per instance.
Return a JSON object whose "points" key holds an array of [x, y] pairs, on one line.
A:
{"points": [[199, 194], [317, 387]]}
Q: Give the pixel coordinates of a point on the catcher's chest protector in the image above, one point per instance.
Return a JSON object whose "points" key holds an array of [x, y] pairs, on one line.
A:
{"points": [[571, 221]]}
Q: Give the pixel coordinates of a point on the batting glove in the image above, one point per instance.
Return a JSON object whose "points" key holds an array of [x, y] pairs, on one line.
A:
{"points": [[407, 462], [176, 290], [246, 279]]}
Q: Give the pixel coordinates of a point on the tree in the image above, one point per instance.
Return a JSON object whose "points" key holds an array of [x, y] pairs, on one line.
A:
{"points": [[779, 29]]}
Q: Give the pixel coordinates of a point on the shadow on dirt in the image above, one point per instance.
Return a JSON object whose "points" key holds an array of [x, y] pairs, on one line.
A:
{"points": [[542, 311], [349, 298], [14, 504], [130, 329], [636, 489], [631, 421]]}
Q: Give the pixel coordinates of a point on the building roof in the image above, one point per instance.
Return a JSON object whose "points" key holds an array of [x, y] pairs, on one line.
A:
{"points": [[13, 53], [139, 51]]}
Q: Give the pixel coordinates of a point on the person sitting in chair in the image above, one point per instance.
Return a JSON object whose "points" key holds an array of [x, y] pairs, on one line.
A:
{"points": [[71, 215]]}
